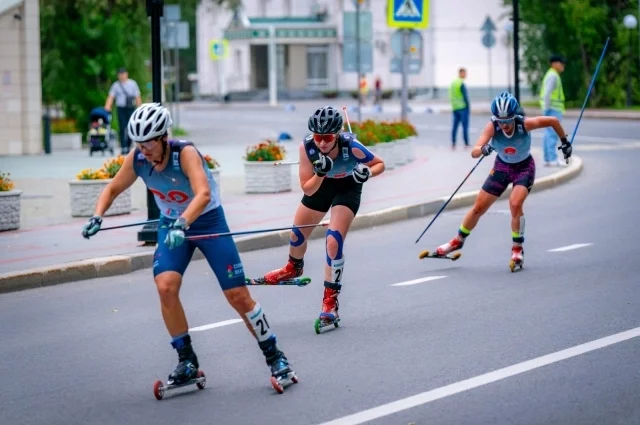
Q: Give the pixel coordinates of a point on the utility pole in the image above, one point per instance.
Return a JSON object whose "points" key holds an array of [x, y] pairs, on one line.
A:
{"points": [[516, 49], [149, 232]]}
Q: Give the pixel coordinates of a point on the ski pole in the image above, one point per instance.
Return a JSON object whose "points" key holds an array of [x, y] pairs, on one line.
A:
{"points": [[249, 232], [344, 109], [122, 226], [586, 99], [447, 203]]}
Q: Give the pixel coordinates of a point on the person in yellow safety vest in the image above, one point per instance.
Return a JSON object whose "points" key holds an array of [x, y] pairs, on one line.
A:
{"points": [[552, 105], [460, 106], [364, 88]]}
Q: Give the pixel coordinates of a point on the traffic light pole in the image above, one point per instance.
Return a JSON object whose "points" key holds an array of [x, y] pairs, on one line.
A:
{"points": [[149, 232]]}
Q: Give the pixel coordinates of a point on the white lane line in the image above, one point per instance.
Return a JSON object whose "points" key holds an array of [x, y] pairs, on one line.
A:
{"points": [[416, 281], [570, 247], [487, 378], [215, 325]]}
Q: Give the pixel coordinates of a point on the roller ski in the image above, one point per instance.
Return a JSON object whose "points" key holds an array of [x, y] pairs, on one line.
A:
{"points": [[329, 314], [281, 373], [296, 281], [445, 251], [290, 274], [517, 258], [186, 373]]}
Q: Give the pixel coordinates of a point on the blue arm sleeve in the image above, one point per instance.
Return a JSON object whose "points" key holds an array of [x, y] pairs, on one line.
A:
{"points": [[368, 156], [463, 88]]}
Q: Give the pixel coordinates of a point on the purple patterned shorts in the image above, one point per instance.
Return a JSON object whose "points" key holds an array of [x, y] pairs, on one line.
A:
{"points": [[502, 174]]}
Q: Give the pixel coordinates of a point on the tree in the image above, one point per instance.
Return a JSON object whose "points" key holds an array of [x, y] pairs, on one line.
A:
{"points": [[578, 29], [83, 43]]}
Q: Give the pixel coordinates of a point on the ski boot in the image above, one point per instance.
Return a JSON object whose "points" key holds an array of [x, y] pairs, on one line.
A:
{"points": [[517, 258], [281, 373], [446, 250], [290, 274], [186, 373], [329, 314]]}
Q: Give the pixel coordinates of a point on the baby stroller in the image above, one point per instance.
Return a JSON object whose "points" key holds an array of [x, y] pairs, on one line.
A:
{"points": [[101, 136]]}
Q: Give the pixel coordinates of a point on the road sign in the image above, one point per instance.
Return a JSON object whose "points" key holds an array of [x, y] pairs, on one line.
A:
{"points": [[174, 35], [488, 28], [349, 50], [218, 49], [408, 13], [171, 12], [415, 52], [350, 46], [488, 40], [488, 25]]}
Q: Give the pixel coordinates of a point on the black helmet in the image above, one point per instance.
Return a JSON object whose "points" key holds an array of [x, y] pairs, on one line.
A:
{"points": [[325, 121]]}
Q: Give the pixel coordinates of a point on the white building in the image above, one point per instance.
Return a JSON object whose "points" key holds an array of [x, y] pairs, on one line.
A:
{"points": [[21, 88], [310, 42]]}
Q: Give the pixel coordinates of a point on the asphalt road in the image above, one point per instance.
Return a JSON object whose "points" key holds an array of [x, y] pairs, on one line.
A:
{"points": [[88, 352]]}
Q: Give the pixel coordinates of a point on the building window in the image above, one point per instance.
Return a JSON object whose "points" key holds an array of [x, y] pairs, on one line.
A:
{"points": [[317, 67]]}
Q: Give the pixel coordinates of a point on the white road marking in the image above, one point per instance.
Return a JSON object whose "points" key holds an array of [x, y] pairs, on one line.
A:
{"points": [[570, 247], [478, 381], [416, 281], [215, 325]]}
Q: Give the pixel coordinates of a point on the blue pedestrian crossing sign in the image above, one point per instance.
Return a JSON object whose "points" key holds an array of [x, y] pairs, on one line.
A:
{"points": [[409, 14], [219, 49]]}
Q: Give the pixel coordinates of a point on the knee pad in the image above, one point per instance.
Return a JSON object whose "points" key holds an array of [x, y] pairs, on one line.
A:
{"points": [[336, 264], [299, 237]]}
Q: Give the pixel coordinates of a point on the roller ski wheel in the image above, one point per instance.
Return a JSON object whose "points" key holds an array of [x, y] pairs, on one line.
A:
{"points": [[516, 265], [453, 256], [296, 281], [281, 382], [320, 324], [159, 388]]}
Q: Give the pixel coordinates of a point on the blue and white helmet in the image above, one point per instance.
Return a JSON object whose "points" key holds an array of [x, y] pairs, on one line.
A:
{"points": [[504, 106]]}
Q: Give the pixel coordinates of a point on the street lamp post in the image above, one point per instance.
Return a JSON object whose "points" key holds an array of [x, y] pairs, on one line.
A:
{"points": [[630, 22]]}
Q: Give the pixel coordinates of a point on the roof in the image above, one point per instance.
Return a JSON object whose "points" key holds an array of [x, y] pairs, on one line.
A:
{"points": [[6, 5]]}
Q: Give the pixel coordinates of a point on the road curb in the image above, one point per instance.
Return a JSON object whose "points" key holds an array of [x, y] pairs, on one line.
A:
{"points": [[124, 264]]}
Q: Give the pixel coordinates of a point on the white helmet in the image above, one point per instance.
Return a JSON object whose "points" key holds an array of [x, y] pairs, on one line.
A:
{"points": [[149, 121]]}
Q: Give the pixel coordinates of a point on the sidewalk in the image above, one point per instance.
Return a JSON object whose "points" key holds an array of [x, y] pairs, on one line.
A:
{"points": [[436, 106], [435, 173]]}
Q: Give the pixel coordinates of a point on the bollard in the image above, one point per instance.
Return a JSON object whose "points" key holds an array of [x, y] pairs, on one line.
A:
{"points": [[46, 133]]}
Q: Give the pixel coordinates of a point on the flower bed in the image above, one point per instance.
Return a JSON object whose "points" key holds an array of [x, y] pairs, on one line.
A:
{"points": [[88, 186], [390, 140], [9, 204], [264, 171]]}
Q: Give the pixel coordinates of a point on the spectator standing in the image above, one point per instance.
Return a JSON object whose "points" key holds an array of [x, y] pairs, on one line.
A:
{"points": [[552, 105], [460, 107], [126, 94]]}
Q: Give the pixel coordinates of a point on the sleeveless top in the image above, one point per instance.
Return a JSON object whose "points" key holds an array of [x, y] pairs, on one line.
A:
{"points": [[346, 161], [171, 187], [514, 148]]}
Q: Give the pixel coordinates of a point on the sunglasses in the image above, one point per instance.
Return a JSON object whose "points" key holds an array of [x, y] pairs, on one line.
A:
{"points": [[149, 144], [328, 138], [505, 120]]}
